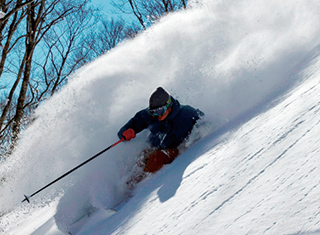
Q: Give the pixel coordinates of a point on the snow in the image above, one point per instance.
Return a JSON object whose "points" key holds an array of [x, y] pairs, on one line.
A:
{"points": [[251, 67], [2, 14]]}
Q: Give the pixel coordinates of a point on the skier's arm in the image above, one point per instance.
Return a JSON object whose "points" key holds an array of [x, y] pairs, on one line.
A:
{"points": [[137, 124]]}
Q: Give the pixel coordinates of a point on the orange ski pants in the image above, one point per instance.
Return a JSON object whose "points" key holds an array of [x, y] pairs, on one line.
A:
{"points": [[159, 157]]}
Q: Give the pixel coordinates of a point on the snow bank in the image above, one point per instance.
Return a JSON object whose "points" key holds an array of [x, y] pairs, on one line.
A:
{"points": [[223, 57]]}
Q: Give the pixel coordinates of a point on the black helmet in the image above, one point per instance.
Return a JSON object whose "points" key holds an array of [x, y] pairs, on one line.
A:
{"points": [[158, 98]]}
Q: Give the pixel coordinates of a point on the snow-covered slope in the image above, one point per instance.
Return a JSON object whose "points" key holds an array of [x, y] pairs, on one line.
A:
{"points": [[252, 67], [260, 177]]}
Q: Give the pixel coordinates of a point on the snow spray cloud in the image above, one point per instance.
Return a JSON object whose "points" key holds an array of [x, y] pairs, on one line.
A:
{"points": [[223, 57]]}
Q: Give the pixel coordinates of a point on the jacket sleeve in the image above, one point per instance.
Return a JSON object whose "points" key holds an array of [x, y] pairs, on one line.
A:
{"points": [[138, 123]]}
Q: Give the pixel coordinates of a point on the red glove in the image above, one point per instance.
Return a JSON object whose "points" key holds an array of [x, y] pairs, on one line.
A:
{"points": [[129, 134]]}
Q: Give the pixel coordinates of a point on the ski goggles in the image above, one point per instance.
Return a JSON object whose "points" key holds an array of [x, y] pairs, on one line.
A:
{"points": [[161, 110]]}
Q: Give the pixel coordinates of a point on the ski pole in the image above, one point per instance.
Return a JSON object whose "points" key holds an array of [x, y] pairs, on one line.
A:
{"points": [[27, 198]]}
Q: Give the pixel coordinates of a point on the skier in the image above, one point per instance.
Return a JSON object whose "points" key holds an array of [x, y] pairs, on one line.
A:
{"points": [[169, 123]]}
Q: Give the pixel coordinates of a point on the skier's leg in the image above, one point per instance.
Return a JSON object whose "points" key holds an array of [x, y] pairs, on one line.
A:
{"points": [[138, 174], [151, 160], [160, 157]]}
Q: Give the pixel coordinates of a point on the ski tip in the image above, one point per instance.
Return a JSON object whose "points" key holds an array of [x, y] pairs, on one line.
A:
{"points": [[26, 198]]}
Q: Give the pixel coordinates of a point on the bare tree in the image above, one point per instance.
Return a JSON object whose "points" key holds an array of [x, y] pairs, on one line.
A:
{"points": [[44, 41], [61, 45], [41, 16], [14, 15], [148, 11], [108, 35], [38, 18]]}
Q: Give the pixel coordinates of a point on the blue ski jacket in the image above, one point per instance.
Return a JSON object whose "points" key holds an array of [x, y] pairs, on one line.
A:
{"points": [[168, 133]]}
